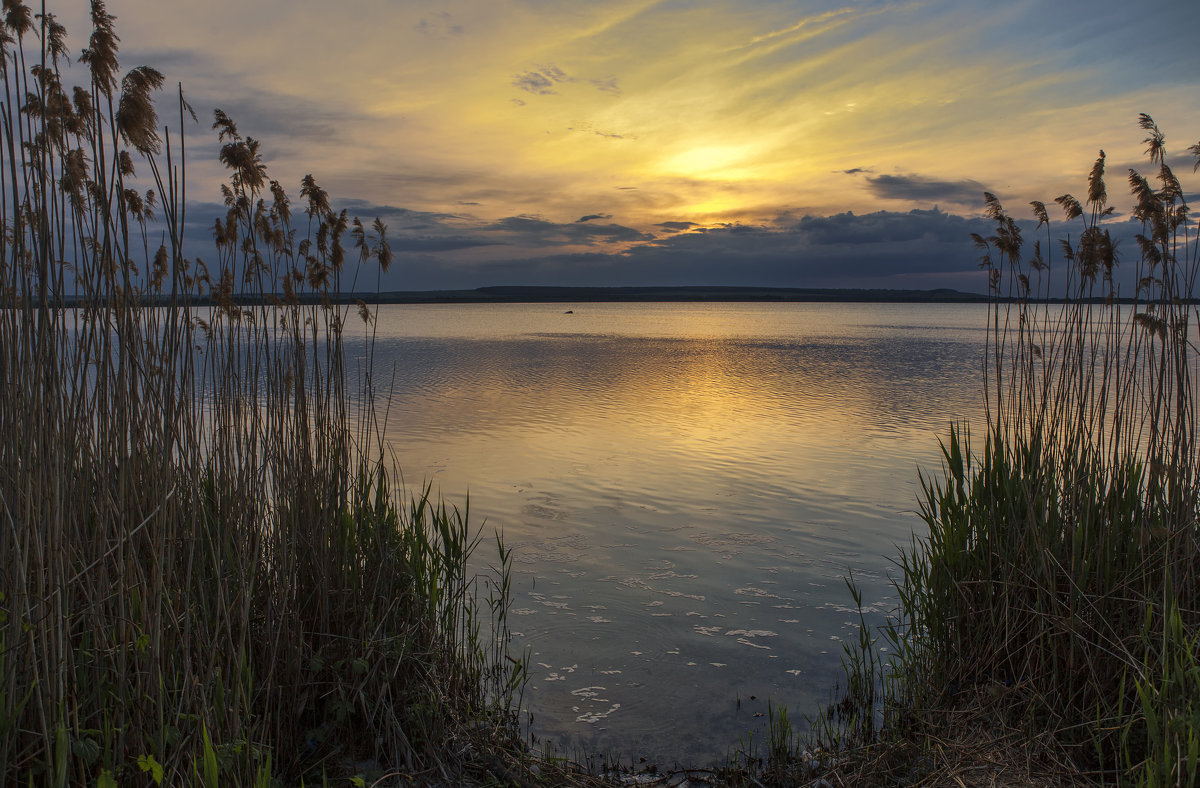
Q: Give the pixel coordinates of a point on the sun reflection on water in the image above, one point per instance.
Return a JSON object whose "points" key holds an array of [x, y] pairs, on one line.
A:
{"points": [[684, 487]]}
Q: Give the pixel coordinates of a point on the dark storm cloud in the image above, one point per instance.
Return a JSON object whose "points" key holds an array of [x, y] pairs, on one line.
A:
{"points": [[921, 188]]}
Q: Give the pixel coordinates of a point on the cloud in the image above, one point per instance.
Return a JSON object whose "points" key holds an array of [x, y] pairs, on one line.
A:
{"points": [[525, 224], [856, 171], [918, 249], [885, 227], [923, 189], [281, 119], [588, 128], [405, 218], [542, 81], [608, 232], [921, 249], [535, 231], [607, 85], [802, 24], [407, 243], [442, 26], [676, 227], [884, 249]]}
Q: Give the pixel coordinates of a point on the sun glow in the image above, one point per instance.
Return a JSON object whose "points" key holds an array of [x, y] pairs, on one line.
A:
{"points": [[718, 162]]}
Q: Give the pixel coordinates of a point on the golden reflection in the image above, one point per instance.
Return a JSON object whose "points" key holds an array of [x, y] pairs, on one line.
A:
{"points": [[824, 417]]}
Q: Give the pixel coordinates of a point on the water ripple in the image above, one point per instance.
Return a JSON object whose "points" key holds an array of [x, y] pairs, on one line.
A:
{"points": [[683, 488]]}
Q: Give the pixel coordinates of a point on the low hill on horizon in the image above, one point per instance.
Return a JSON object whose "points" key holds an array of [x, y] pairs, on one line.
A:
{"points": [[549, 294]]}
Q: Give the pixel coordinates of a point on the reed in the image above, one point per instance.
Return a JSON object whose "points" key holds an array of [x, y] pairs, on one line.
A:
{"points": [[206, 573], [1059, 585]]}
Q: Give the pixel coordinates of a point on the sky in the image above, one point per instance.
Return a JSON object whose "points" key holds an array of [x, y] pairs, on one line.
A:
{"points": [[790, 143]]}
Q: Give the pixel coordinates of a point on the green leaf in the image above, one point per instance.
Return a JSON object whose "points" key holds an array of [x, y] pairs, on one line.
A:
{"points": [[210, 760], [106, 779], [147, 763]]}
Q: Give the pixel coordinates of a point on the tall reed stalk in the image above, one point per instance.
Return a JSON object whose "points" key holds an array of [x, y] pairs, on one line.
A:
{"points": [[1060, 580], [205, 572]]}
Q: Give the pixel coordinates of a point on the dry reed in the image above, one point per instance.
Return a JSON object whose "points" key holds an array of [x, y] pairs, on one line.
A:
{"points": [[1061, 574], [205, 574]]}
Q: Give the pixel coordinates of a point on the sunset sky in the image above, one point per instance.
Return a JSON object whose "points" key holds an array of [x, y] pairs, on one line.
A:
{"points": [[647, 142]]}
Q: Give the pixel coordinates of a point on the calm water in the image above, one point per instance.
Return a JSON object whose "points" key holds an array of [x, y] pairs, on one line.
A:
{"points": [[684, 487]]}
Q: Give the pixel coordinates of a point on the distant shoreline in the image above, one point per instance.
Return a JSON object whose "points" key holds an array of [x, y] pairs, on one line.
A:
{"points": [[576, 295], [561, 295]]}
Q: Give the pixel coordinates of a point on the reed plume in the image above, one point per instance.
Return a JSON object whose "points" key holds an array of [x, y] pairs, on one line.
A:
{"points": [[1060, 573], [206, 574]]}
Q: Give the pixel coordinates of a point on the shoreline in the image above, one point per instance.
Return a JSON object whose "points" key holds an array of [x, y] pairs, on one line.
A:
{"points": [[521, 294], [596, 295]]}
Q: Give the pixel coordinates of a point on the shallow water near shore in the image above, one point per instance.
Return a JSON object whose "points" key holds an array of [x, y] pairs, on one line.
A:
{"points": [[684, 487]]}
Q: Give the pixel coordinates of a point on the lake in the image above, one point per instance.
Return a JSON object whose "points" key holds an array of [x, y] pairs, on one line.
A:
{"points": [[684, 487]]}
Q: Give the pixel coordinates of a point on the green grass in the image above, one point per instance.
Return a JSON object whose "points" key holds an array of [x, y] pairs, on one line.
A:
{"points": [[207, 575], [1059, 581]]}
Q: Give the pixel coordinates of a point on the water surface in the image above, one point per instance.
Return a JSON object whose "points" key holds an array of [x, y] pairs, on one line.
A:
{"points": [[684, 487]]}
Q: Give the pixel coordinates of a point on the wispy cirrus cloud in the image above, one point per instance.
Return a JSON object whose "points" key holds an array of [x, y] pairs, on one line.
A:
{"points": [[607, 85], [750, 130], [441, 23]]}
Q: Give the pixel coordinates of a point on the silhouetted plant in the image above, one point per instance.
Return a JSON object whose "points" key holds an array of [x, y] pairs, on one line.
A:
{"points": [[1061, 572], [205, 572]]}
